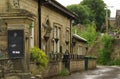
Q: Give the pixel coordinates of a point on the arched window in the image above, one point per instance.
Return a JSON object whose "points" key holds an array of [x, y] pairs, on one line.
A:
{"points": [[57, 37]]}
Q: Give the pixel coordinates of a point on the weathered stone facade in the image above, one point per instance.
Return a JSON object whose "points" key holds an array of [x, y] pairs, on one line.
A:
{"points": [[20, 14], [58, 22], [13, 18], [80, 46], [58, 33], [51, 32], [79, 51], [77, 65]]}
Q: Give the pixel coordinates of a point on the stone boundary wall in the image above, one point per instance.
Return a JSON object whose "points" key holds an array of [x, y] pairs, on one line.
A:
{"points": [[53, 69], [76, 65], [91, 63]]}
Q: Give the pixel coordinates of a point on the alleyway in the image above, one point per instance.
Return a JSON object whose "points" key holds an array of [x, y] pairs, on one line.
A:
{"points": [[102, 72]]}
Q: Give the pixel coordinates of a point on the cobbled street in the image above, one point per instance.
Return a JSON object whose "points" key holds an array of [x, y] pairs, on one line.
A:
{"points": [[102, 72]]}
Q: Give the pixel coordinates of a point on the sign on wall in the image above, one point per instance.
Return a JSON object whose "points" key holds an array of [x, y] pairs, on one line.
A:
{"points": [[16, 43]]}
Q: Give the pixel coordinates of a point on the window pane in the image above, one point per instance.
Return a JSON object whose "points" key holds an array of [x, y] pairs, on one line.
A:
{"points": [[79, 50]]}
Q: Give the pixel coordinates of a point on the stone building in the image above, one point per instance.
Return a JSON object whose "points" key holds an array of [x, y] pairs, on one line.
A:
{"points": [[56, 23], [79, 57], [79, 51], [80, 45], [27, 23], [15, 32], [43, 23]]}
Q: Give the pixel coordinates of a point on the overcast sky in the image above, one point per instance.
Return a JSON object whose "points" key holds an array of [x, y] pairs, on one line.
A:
{"points": [[114, 3]]}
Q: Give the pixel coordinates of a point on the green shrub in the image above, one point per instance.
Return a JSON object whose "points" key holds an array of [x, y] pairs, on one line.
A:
{"points": [[118, 32], [64, 72], [116, 62], [39, 57], [89, 33], [107, 41], [104, 55]]}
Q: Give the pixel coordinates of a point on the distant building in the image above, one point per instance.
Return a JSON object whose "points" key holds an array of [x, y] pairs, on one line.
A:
{"points": [[79, 45], [79, 51], [117, 18], [112, 21]]}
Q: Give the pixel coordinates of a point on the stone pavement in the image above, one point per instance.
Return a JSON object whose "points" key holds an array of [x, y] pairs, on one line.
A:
{"points": [[102, 72]]}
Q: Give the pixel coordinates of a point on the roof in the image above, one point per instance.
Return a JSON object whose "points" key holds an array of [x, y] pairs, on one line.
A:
{"points": [[77, 37], [59, 7]]}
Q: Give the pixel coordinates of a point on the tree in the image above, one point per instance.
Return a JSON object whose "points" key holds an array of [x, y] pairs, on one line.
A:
{"points": [[89, 33], [97, 8], [104, 53], [83, 13]]}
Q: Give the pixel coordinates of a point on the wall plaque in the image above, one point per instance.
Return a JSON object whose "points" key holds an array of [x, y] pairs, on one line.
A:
{"points": [[15, 43]]}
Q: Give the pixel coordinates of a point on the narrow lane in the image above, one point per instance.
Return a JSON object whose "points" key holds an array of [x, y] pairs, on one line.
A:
{"points": [[102, 72]]}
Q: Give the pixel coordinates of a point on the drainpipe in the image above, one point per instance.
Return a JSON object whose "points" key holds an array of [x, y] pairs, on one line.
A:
{"points": [[39, 22], [71, 35]]}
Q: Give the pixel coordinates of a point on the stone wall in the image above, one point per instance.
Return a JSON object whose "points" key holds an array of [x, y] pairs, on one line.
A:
{"points": [[79, 65], [53, 69], [14, 22], [55, 20], [3, 40], [116, 51], [3, 5], [91, 63], [30, 6], [79, 45], [76, 65]]}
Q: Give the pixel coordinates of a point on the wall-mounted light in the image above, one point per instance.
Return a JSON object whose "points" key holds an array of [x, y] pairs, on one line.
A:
{"points": [[46, 37], [67, 42]]}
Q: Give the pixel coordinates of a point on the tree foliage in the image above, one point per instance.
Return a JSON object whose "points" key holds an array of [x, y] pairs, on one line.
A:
{"points": [[97, 8], [89, 33], [89, 11], [83, 13], [104, 55]]}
